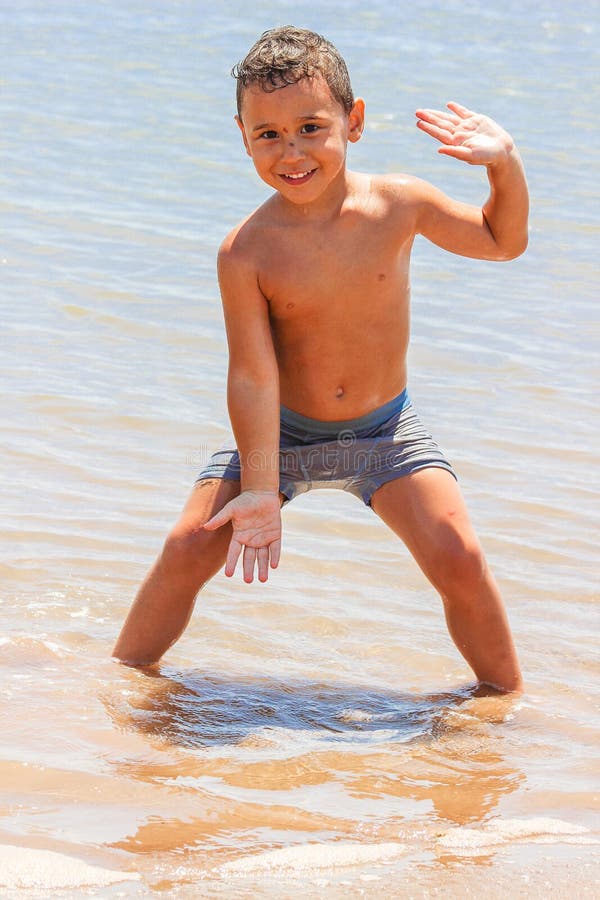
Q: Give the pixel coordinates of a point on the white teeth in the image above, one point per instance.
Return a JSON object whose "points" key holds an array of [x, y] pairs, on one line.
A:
{"points": [[301, 175]]}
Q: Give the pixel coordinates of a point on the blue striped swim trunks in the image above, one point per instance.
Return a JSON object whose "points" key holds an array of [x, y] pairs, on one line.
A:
{"points": [[354, 455]]}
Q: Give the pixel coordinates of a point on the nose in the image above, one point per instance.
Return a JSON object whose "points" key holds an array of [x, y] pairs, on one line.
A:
{"points": [[290, 151]]}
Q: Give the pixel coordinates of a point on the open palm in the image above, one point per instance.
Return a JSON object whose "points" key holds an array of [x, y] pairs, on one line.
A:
{"points": [[465, 135], [255, 517]]}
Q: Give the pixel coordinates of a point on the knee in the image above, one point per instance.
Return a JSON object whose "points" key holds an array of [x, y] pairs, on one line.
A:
{"points": [[185, 547], [460, 566]]}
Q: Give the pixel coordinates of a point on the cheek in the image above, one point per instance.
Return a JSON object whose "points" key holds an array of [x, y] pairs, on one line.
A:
{"points": [[263, 161], [256, 154], [262, 152], [335, 144]]}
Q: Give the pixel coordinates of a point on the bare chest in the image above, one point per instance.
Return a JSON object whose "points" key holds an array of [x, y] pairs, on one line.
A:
{"points": [[316, 274]]}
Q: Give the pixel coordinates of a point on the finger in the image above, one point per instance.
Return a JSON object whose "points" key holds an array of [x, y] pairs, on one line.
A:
{"points": [[219, 519], [437, 117], [462, 153], [440, 134], [233, 554], [461, 111], [248, 565], [275, 550], [263, 563]]}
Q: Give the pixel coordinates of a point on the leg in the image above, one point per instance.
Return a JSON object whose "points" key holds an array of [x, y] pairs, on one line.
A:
{"points": [[189, 558], [427, 511]]}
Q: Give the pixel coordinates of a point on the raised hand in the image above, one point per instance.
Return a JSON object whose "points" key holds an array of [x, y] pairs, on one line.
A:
{"points": [[256, 520], [466, 135]]}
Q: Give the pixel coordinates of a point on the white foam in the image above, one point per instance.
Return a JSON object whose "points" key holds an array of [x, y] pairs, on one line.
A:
{"points": [[311, 857], [355, 715], [22, 867], [504, 831]]}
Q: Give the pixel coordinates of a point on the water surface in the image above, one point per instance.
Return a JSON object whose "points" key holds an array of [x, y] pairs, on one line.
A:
{"points": [[325, 715]]}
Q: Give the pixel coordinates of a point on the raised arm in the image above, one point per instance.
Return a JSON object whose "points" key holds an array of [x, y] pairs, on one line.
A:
{"points": [[253, 401], [498, 230]]}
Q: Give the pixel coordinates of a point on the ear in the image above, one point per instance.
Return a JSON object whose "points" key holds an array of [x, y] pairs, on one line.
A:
{"points": [[356, 120], [240, 125]]}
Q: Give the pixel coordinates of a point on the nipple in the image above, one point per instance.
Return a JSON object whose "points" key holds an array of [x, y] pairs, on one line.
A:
{"points": [[340, 392]]}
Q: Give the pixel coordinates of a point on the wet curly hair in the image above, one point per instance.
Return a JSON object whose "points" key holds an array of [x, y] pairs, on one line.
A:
{"points": [[285, 55]]}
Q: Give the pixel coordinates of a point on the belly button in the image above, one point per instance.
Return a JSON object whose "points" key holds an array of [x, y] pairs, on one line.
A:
{"points": [[340, 392]]}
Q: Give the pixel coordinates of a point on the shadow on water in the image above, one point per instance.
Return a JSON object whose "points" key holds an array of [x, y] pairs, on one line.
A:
{"points": [[195, 709], [439, 749]]}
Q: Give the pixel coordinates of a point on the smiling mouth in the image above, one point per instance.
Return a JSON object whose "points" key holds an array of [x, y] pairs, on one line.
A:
{"points": [[297, 177]]}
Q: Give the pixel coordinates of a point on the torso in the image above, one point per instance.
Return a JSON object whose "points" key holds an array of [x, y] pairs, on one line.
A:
{"points": [[338, 295]]}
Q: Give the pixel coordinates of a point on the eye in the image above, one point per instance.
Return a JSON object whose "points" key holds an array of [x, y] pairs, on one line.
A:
{"points": [[310, 128], [269, 135]]}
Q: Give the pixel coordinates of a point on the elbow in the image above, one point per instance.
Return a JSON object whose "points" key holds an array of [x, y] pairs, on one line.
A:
{"points": [[521, 246], [509, 241], [514, 249], [256, 380]]}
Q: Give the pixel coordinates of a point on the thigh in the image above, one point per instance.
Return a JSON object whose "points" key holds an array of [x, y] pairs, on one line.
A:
{"points": [[189, 550], [427, 511]]}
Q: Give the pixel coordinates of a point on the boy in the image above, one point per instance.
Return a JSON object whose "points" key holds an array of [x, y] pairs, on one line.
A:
{"points": [[315, 291]]}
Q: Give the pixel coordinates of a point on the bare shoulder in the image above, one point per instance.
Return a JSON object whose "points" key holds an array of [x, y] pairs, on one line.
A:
{"points": [[237, 246], [399, 188], [399, 200], [245, 242], [420, 202], [243, 254]]}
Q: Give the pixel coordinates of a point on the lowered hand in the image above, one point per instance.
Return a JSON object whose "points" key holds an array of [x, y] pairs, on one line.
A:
{"points": [[256, 520]]}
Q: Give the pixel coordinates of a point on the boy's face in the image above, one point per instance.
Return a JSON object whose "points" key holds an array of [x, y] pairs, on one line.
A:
{"points": [[297, 136]]}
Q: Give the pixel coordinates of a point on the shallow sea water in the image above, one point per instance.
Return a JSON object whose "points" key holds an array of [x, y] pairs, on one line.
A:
{"points": [[316, 736]]}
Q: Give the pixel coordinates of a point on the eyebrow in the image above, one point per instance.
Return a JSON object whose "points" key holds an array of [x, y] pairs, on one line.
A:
{"points": [[271, 125]]}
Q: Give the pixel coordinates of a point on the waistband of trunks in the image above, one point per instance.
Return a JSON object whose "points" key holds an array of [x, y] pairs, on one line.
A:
{"points": [[331, 429]]}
